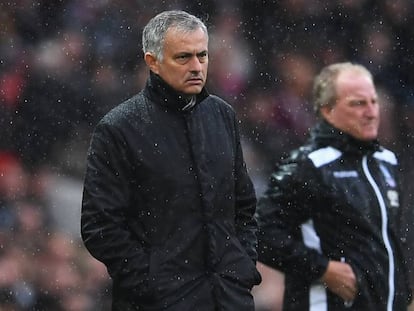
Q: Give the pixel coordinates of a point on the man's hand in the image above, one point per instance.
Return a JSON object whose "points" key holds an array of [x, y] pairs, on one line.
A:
{"points": [[341, 280]]}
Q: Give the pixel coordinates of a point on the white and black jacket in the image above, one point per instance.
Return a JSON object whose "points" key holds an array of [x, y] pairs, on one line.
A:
{"points": [[335, 198]]}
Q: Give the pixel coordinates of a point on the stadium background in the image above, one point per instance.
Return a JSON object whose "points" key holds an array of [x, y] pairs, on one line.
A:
{"points": [[63, 64]]}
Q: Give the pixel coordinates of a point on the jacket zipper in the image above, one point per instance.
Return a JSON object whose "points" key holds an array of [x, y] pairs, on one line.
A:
{"points": [[384, 229]]}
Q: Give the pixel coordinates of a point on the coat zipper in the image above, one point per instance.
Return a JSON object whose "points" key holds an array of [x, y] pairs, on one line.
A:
{"points": [[384, 229]]}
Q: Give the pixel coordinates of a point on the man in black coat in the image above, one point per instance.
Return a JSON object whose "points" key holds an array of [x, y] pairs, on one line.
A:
{"points": [[168, 205], [330, 219]]}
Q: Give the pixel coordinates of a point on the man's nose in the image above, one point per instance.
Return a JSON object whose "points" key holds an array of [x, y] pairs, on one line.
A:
{"points": [[195, 64], [371, 110]]}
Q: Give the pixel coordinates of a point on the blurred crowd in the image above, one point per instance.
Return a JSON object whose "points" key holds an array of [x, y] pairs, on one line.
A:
{"points": [[64, 63]]}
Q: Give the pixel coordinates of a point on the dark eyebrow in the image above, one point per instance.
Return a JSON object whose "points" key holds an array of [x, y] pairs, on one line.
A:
{"points": [[182, 54], [202, 53]]}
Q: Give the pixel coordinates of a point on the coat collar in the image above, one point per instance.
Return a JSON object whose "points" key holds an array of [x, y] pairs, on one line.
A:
{"points": [[324, 134], [158, 91]]}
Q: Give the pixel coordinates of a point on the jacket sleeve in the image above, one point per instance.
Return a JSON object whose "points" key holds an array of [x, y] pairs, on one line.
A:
{"points": [[105, 203], [281, 211], [246, 224]]}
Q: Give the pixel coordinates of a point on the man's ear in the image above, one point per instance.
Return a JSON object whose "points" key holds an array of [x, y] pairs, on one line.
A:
{"points": [[151, 62], [325, 111]]}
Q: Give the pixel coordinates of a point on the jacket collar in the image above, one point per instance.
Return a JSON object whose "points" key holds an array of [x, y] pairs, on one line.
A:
{"points": [[158, 91], [324, 134]]}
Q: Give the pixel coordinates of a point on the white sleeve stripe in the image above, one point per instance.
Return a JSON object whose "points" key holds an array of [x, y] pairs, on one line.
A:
{"points": [[324, 156]]}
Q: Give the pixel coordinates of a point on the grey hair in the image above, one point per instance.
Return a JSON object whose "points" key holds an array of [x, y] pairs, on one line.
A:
{"points": [[153, 35], [324, 85]]}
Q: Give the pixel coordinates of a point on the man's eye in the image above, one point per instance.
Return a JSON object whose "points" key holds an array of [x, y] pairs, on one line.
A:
{"points": [[357, 102], [202, 57], [182, 58]]}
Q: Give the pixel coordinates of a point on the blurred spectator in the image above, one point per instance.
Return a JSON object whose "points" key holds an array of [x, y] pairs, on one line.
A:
{"points": [[231, 64]]}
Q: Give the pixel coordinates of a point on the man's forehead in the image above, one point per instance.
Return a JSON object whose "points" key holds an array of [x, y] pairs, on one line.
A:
{"points": [[189, 42]]}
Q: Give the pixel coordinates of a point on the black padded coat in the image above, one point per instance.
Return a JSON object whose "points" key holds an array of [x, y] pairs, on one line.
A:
{"points": [[168, 205], [336, 198]]}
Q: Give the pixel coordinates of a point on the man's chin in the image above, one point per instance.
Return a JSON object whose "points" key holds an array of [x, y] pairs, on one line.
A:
{"points": [[369, 136], [193, 90]]}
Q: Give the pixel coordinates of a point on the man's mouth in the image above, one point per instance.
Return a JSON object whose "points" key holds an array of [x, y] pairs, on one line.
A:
{"points": [[195, 80]]}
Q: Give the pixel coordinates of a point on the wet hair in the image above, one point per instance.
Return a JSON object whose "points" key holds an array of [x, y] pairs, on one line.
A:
{"points": [[153, 35], [324, 85]]}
